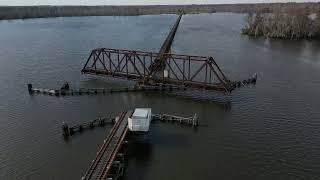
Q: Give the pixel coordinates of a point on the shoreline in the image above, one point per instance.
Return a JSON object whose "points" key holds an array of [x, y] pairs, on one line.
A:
{"points": [[28, 12]]}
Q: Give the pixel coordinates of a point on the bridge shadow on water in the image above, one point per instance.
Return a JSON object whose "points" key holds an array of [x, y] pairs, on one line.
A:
{"points": [[141, 146], [218, 99], [139, 151], [144, 148]]}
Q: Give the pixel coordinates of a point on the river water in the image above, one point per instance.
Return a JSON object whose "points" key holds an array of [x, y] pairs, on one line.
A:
{"points": [[267, 131]]}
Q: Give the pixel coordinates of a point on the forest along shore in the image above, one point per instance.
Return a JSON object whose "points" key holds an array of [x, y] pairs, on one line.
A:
{"points": [[25, 12], [292, 23]]}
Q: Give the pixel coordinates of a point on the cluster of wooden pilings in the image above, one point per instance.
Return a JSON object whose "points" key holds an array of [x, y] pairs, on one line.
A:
{"points": [[172, 118], [93, 91], [69, 131], [245, 82], [101, 121]]}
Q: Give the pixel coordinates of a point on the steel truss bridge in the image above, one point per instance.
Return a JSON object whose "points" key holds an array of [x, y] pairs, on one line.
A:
{"points": [[198, 72]]}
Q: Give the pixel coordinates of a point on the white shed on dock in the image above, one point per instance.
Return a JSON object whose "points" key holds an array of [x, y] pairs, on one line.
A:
{"points": [[140, 120]]}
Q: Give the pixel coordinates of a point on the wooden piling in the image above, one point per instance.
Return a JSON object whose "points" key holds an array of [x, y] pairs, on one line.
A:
{"points": [[69, 131], [172, 118], [95, 91]]}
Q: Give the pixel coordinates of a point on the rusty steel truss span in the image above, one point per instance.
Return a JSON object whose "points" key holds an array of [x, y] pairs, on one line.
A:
{"points": [[197, 72]]}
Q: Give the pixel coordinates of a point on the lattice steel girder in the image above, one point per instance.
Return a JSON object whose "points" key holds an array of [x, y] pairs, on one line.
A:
{"points": [[198, 72]]}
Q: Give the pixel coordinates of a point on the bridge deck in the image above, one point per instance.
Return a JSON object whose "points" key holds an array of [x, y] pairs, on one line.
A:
{"points": [[101, 165], [159, 62]]}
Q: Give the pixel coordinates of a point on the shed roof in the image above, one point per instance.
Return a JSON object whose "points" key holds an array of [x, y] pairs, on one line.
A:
{"points": [[141, 112]]}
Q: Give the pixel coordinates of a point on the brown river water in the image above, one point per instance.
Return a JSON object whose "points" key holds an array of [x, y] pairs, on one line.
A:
{"points": [[267, 131]]}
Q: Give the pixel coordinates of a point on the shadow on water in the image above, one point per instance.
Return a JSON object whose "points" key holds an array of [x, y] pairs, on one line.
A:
{"points": [[139, 147], [218, 99], [142, 148], [158, 134], [99, 82], [209, 96], [139, 152]]}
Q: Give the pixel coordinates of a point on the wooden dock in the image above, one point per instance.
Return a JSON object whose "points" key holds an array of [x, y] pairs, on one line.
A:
{"points": [[101, 121], [172, 118], [95, 91]]}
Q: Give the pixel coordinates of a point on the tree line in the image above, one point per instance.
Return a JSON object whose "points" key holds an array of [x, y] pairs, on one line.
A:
{"points": [[23, 12], [293, 23]]}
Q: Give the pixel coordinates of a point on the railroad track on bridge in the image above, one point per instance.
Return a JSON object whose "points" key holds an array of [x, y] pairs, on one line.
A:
{"points": [[103, 164]]}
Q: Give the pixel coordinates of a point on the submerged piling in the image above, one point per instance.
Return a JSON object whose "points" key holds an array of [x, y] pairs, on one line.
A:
{"points": [[30, 88], [65, 129], [70, 130]]}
